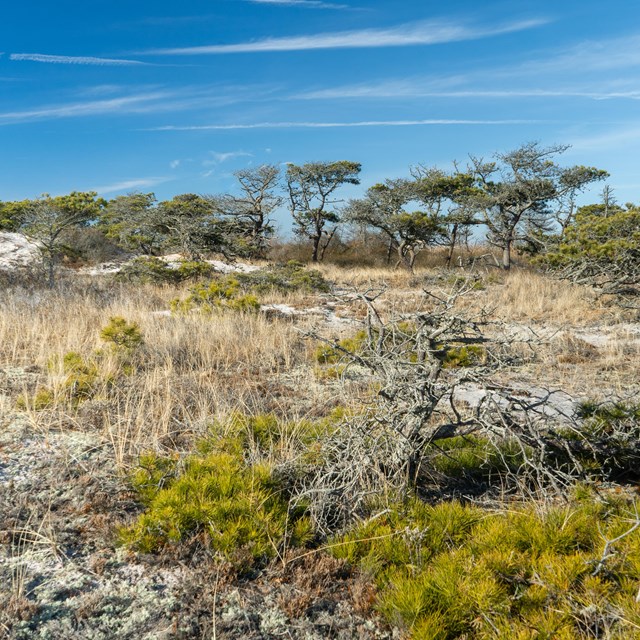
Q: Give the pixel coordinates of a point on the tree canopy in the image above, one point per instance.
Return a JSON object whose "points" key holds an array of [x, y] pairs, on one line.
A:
{"points": [[311, 188], [518, 192]]}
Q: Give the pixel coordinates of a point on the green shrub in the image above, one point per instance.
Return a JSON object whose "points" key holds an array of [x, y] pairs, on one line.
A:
{"points": [[398, 335], [474, 458], [43, 399], [327, 354], [284, 278], [239, 508], [610, 434], [81, 381], [148, 269], [122, 335], [82, 378], [455, 571], [471, 355], [223, 293]]}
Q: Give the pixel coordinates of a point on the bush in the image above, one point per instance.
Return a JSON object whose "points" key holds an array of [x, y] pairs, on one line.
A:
{"points": [[240, 509], [83, 377], [122, 335], [471, 355], [453, 571], [284, 278], [223, 293], [147, 269], [600, 249]]}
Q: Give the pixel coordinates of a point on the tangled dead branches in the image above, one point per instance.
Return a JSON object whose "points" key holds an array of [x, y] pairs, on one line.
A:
{"points": [[432, 371]]}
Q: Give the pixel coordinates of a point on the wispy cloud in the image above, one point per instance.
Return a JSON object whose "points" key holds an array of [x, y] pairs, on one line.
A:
{"points": [[143, 102], [416, 33], [307, 4], [421, 88], [217, 157], [333, 125], [130, 185], [590, 56], [615, 138], [139, 103], [41, 57]]}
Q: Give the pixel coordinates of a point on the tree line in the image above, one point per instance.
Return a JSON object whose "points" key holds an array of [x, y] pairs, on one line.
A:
{"points": [[523, 198]]}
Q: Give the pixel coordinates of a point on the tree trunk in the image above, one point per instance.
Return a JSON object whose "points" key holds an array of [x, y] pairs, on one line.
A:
{"points": [[506, 255], [403, 259], [51, 276], [452, 244], [323, 246], [316, 248]]}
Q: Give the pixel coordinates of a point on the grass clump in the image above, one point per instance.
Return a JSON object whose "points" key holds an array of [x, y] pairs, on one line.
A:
{"points": [[454, 571]]}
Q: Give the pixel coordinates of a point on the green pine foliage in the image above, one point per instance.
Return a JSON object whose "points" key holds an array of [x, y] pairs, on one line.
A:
{"points": [[217, 295], [148, 269], [600, 248], [454, 571], [123, 336], [81, 377], [289, 277], [239, 507]]}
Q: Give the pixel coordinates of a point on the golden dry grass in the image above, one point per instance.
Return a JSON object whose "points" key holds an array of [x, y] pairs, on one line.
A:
{"points": [[195, 368], [528, 296], [190, 370]]}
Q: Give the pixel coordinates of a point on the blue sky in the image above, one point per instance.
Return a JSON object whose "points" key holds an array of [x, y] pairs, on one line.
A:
{"points": [[171, 97]]}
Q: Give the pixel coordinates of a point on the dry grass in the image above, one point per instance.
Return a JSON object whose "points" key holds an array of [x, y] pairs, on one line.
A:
{"points": [[362, 277], [527, 296], [189, 371], [195, 368]]}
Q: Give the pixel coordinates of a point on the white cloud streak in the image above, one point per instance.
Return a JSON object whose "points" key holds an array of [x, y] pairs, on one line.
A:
{"points": [[81, 60], [140, 103], [156, 101], [333, 125], [419, 88], [219, 157], [307, 4], [130, 185], [591, 55], [618, 138], [417, 33]]}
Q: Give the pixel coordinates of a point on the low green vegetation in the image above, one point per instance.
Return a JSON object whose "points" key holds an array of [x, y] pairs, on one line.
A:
{"points": [[82, 377], [471, 355], [454, 571], [123, 336], [452, 355], [474, 459], [226, 494], [148, 269], [289, 277], [239, 292], [223, 293]]}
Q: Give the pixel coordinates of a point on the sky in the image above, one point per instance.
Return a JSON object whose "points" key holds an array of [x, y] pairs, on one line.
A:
{"points": [[172, 97]]}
